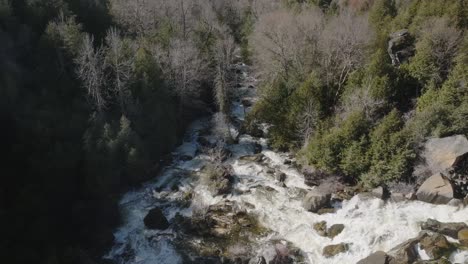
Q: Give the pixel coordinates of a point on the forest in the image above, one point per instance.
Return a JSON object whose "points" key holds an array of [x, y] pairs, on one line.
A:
{"points": [[95, 94]]}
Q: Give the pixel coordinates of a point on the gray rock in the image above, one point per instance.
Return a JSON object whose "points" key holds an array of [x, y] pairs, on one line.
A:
{"points": [[316, 199], [400, 46], [406, 252], [155, 219], [437, 190], [441, 154], [281, 177], [335, 230], [448, 229], [378, 257], [436, 246], [398, 197]]}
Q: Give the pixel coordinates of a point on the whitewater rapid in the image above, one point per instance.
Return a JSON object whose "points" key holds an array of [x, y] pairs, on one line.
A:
{"points": [[370, 223]]}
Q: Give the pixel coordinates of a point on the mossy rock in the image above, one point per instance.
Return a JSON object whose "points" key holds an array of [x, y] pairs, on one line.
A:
{"points": [[463, 237], [437, 246], [335, 230], [321, 228], [333, 250]]}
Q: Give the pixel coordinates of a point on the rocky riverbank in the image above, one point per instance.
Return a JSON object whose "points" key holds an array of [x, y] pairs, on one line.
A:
{"points": [[245, 203]]}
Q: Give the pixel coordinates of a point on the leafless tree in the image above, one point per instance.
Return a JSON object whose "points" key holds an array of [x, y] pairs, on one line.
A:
{"points": [[443, 39], [119, 60], [90, 71], [224, 77], [344, 42], [285, 42], [137, 16], [361, 100], [307, 121]]}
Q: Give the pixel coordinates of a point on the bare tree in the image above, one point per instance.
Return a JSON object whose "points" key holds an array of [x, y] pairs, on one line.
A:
{"points": [[307, 121], [443, 40], [361, 100], [286, 43], [119, 60], [224, 77], [90, 71], [344, 42]]}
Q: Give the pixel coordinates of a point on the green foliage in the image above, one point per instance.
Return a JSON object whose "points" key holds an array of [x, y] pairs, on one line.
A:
{"points": [[330, 148], [391, 153]]}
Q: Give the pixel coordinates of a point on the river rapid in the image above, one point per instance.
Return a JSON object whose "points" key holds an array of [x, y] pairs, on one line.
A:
{"points": [[370, 223]]}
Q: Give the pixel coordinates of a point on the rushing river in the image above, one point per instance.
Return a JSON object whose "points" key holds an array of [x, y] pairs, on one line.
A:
{"points": [[370, 224]]}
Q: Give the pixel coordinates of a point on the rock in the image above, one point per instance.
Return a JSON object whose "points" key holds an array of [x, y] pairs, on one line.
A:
{"points": [[321, 228], [455, 202], [437, 190], [406, 252], [335, 230], [448, 229], [155, 219], [322, 211], [380, 193], [282, 255], [281, 177], [251, 86], [287, 162], [400, 46], [316, 199], [257, 148], [378, 257], [441, 154], [436, 246], [398, 197], [333, 250], [254, 158], [463, 237], [255, 131]]}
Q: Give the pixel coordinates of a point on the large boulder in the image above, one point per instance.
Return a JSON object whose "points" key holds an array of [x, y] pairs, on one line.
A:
{"points": [[406, 252], [440, 154], [316, 199], [448, 229], [400, 46], [335, 230], [155, 219], [378, 257], [437, 190], [333, 250]]}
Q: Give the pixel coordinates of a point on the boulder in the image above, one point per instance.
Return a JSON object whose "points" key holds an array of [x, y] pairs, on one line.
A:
{"points": [[400, 46], [282, 255], [378, 257], [316, 199], [333, 250], [463, 237], [321, 228], [440, 154], [155, 219], [322, 211], [436, 246], [406, 252], [281, 177], [335, 230], [437, 190], [434, 261], [448, 229]]}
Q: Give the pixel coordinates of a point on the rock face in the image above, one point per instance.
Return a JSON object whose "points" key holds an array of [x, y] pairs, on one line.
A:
{"points": [[448, 229], [437, 190], [400, 46], [155, 219], [378, 257], [316, 199], [333, 250]]}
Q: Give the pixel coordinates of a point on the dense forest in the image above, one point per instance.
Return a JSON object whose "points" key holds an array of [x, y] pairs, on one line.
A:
{"points": [[95, 93]]}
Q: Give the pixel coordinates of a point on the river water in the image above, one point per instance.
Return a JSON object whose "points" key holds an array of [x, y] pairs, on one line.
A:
{"points": [[370, 224]]}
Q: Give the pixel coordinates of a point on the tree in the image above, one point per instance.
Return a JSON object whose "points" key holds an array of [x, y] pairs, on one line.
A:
{"points": [[90, 71], [119, 59], [224, 77]]}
